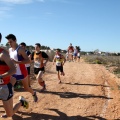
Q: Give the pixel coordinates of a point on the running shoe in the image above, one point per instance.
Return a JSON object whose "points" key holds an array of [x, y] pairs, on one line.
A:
{"points": [[24, 102], [43, 89], [35, 98]]}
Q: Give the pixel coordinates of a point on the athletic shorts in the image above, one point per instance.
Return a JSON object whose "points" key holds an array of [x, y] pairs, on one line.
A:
{"points": [[19, 77], [28, 69], [59, 68], [36, 70], [78, 56], [75, 54], [6, 92]]}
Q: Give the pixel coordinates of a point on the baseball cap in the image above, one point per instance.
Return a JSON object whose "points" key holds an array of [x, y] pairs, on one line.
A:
{"points": [[11, 36]]}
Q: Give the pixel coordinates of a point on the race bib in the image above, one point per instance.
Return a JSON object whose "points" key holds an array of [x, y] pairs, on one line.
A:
{"points": [[37, 64], [1, 81], [58, 63]]}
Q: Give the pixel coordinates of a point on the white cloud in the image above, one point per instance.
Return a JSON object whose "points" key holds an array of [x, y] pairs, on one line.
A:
{"points": [[62, 1], [16, 1], [4, 12], [41, 0]]}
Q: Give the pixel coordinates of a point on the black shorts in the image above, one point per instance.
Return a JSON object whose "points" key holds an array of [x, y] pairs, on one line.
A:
{"points": [[6, 92], [28, 69], [59, 68], [36, 70]]}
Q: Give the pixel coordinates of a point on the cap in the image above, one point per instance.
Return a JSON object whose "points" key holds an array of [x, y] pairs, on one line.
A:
{"points": [[11, 36], [0, 37]]}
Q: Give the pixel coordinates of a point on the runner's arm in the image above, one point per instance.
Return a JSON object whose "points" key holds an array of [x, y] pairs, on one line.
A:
{"points": [[41, 61], [45, 57], [54, 59], [6, 58], [64, 60]]}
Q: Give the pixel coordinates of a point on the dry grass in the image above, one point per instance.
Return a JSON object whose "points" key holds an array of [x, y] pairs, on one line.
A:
{"points": [[111, 62]]}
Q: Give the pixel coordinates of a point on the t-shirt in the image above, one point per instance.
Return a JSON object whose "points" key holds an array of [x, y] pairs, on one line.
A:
{"points": [[35, 57], [70, 49], [44, 55]]}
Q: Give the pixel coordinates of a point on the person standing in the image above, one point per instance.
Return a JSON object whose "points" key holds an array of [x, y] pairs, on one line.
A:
{"points": [[38, 58], [20, 58], [60, 60], [7, 68], [23, 45]]}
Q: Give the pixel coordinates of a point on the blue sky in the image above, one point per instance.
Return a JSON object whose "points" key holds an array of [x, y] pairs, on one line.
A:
{"points": [[90, 24]]}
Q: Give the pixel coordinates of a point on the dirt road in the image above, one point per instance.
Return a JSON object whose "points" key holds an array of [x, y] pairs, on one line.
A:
{"points": [[87, 92]]}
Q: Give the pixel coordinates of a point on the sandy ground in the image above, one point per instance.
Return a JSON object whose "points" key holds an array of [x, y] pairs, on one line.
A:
{"points": [[87, 92]]}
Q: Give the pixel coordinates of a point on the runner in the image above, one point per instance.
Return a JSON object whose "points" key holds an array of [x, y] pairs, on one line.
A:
{"points": [[78, 56], [7, 68], [20, 58], [70, 52], [66, 56], [75, 53], [38, 58], [60, 60], [23, 45]]}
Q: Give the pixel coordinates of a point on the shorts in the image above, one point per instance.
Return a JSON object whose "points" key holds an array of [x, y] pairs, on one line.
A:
{"points": [[59, 68], [19, 77], [6, 92], [75, 54], [36, 70], [78, 56], [28, 69]]}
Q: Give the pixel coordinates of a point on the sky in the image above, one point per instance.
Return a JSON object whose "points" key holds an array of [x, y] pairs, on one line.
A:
{"points": [[90, 24]]}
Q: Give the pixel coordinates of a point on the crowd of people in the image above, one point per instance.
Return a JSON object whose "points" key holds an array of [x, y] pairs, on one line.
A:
{"points": [[15, 68]]}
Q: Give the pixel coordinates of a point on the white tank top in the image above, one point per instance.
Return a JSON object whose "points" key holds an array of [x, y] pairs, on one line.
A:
{"points": [[14, 55]]}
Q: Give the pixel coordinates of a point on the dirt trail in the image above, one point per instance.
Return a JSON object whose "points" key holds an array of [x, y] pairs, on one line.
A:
{"points": [[87, 92]]}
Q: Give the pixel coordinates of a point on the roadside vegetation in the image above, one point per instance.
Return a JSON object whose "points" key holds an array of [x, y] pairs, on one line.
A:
{"points": [[112, 63]]}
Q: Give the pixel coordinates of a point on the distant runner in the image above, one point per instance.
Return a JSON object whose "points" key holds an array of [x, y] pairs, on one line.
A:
{"points": [[70, 52], [78, 56], [75, 53], [60, 60]]}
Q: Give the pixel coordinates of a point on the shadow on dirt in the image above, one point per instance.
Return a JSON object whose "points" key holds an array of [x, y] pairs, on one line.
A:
{"points": [[61, 116], [87, 84], [75, 95]]}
